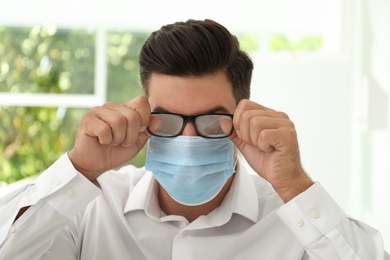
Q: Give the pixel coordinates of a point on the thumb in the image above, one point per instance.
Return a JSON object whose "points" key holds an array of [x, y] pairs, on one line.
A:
{"points": [[235, 137]]}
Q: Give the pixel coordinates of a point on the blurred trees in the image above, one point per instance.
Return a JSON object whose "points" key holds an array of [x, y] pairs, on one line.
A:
{"points": [[48, 60], [294, 42]]}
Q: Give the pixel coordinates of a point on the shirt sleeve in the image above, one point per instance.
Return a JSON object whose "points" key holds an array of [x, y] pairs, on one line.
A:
{"points": [[57, 196], [326, 232]]}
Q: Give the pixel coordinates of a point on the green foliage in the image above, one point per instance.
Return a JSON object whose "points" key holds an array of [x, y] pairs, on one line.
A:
{"points": [[281, 42], [295, 43], [48, 60], [248, 42], [122, 54], [33, 138]]}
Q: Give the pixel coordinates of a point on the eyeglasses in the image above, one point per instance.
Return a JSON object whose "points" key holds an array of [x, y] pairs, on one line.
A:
{"points": [[206, 125]]}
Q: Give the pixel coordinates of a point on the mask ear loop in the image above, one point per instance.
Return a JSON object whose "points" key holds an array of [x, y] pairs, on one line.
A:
{"points": [[235, 163], [237, 153]]}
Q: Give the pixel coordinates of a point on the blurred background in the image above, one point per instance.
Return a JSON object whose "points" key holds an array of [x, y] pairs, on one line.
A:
{"points": [[326, 63]]}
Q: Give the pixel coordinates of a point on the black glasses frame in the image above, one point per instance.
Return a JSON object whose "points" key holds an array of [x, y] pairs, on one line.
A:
{"points": [[191, 119]]}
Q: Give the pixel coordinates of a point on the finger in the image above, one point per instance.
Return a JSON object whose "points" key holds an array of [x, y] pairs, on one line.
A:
{"points": [[257, 124], [95, 125], [252, 122], [142, 107], [245, 105], [281, 139], [236, 139], [154, 124], [102, 131], [226, 125], [136, 112], [125, 124], [266, 140]]}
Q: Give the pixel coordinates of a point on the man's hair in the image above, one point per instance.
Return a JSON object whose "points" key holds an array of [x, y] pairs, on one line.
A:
{"points": [[196, 48]]}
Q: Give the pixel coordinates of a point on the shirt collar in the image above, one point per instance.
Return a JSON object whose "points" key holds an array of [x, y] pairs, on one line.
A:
{"points": [[143, 196], [241, 199]]}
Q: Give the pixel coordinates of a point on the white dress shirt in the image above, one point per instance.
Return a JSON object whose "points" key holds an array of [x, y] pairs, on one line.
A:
{"points": [[118, 217]]}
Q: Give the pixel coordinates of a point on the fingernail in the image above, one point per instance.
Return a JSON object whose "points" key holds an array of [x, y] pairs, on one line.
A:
{"points": [[238, 133], [142, 129]]}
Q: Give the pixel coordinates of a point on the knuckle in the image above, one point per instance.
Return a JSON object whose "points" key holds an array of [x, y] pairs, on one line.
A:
{"points": [[141, 107], [283, 115], [139, 103], [244, 103], [264, 135], [265, 139], [292, 133], [89, 117], [242, 106], [103, 130], [288, 124], [291, 125], [104, 134], [110, 105], [94, 110], [119, 121], [255, 122], [246, 116], [141, 100], [133, 117]]}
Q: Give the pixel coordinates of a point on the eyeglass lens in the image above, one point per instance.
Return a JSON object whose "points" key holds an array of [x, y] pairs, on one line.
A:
{"points": [[206, 125]]}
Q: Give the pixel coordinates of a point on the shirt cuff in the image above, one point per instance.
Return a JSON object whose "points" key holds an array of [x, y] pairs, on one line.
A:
{"points": [[63, 188], [311, 214]]}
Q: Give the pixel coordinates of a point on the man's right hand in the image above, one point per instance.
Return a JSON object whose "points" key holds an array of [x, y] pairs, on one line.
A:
{"points": [[109, 136]]}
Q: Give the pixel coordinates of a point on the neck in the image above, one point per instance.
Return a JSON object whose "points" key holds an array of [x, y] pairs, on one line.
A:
{"points": [[172, 207]]}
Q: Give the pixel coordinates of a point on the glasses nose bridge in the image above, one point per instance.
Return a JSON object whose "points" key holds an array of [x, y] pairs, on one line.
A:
{"points": [[186, 120]]}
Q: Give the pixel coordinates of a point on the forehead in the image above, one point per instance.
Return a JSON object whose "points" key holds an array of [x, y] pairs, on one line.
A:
{"points": [[191, 95]]}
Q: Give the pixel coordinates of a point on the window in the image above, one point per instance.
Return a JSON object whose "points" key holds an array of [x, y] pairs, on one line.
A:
{"points": [[47, 82]]}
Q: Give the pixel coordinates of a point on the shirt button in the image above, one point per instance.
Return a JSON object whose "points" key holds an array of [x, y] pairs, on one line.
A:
{"points": [[186, 232], [299, 222], [57, 181], [71, 193], [12, 229], [314, 213]]}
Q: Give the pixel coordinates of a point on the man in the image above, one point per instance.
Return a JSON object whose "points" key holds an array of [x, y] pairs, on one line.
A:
{"points": [[195, 199]]}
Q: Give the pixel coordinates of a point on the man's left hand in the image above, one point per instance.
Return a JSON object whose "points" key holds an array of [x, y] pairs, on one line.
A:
{"points": [[268, 141]]}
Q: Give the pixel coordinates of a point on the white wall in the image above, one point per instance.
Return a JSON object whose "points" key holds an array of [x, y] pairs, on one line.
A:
{"points": [[375, 129], [314, 92]]}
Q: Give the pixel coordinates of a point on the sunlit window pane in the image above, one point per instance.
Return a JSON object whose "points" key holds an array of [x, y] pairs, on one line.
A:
{"points": [[122, 56], [46, 60], [278, 42], [295, 42]]}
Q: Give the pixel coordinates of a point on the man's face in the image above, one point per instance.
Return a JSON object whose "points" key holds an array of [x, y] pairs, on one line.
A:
{"points": [[191, 95]]}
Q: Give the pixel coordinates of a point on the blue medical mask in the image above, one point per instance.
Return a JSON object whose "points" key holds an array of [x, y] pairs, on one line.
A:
{"points": [[191, 169]]}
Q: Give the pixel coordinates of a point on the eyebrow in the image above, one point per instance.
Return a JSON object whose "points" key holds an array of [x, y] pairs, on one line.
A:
{"points": [[220, 109]]}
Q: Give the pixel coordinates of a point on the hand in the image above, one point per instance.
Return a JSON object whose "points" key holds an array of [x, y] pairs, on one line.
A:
{"points": [[110, 135], [268, 141]]}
